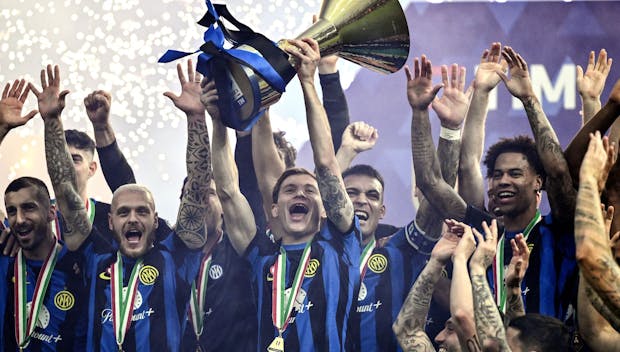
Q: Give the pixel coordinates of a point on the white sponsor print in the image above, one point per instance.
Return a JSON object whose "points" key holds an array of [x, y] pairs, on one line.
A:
{"points": [[43, 320], [369, 308], [106, 314]]}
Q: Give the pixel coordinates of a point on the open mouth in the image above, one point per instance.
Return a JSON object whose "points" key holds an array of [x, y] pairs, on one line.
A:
{"points": [[21, 232], [505, 195], [362, 215], [133, 236], [298, 210]]}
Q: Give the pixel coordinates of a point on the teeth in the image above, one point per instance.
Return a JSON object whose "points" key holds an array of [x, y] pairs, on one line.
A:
{"points": [[362, 215], [505, 194]]}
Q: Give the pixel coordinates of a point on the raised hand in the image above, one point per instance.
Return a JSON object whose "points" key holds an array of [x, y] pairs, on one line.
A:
{"points": [[591, 83], [97, 106], [189, 101], [306, 54], [209, 97], [490, 63], [452, 107], [11, 105], [444, 248], [518, 263], [327, 64], [420, 89], [467, 245], [598, 160], [519, 84], [487, 246], [359, 137], [51, 99]]}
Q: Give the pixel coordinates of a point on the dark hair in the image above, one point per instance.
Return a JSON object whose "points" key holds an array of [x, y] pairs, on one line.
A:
{"points": [[80, 140], [519, 144], [542, 333], [287, 173], [366, 170], [42, 194], [286, 149]]}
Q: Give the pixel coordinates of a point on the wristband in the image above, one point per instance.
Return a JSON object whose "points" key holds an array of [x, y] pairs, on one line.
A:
{"points": [[450, 134], [418, 239]]}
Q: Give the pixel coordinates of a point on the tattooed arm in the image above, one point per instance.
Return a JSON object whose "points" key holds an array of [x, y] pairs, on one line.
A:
{"points": [[514, 277], [59, 162], [190, 225], [558, 182], [595, 259], [471, 185], [11, 104], [595, 330], [420, 93], [238, 215], [451, 109], [335, 199], [489, 323], [411, 320], [462, 304]]}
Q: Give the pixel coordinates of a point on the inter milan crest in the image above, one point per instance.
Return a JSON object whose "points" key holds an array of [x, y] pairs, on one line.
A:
{"points": [[148, 274], [312, 268], [377, 263], [64, 300]]}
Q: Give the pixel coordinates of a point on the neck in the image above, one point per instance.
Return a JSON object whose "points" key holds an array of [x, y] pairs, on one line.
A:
{"points": [[519, 221], [84, 195], [42, 250], [212, 240], [366, 239], [290, 239]]}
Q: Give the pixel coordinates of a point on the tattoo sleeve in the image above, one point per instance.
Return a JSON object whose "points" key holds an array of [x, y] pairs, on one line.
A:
{"points": [[428, 172], [559, 185], [489, 323], [595, 317], [60, 168], [336, 202], [595, 260], [411, 320], [190, 226], [514, 304]]}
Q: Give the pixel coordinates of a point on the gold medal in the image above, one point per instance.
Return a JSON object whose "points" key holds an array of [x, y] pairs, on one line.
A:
{"points": [[277, 345]]}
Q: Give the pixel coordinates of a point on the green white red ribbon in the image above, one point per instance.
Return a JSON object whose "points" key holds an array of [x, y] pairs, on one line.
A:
{"points": [[122, 302]]}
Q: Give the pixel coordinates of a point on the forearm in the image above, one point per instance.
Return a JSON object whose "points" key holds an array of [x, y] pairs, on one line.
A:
{"points": [[514, 304], [116, 169], [104, 135], [471, 185], [335, 104], [427, 170], [601, 309], [412, 316], [268, 165], [594, 329], [345, 157], [591, 238], [589, 108], [190, 226], [337, 204], [486, 315], [62, 174], [462, 304], [601, 122]]}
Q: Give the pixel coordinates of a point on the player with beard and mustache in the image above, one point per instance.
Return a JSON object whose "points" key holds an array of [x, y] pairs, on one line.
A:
{"points": [[138, 294], [316, 261]]}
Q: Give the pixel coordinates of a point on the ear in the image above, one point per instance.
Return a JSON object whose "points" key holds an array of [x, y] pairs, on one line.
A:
{"points": [[539, 182], [382, 211], [92, 168], [275, 210], [156, 224], [51, 215], [110, 225]]}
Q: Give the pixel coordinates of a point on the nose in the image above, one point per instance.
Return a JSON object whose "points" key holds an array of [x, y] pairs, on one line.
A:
{"points": [[20, 218], [440, 338], [132, 218]]}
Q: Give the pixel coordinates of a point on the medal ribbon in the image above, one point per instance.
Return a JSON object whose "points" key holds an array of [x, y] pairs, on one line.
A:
{"points": [[27, 321], [122, 303], [370, 247], [197, 297], [281, 307], [498, 263]]}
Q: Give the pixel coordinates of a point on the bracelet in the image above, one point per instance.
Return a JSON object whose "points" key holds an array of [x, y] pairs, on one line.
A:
{"points": [[450, 134]]}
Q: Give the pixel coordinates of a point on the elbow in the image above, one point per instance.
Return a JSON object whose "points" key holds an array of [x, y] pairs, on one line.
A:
{"points": [[463, 317]]}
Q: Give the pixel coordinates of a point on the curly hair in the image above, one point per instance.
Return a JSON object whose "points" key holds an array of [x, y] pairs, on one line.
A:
{"points": [[519, 144]]}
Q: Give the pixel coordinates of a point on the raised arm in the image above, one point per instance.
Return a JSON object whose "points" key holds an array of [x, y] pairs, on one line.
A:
{"points": [[411, 320], [462, 302], [11, 105], [514, 277], [238, 216], [190, 225], [357, 138], [60, 167], [471, 184], [595, 330], [420, 93], [601, 122], [489, 325], [335, 199], [267, 162], [595, 260], [451, 109], [590, 84], [558, 184], [116, 169]]}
